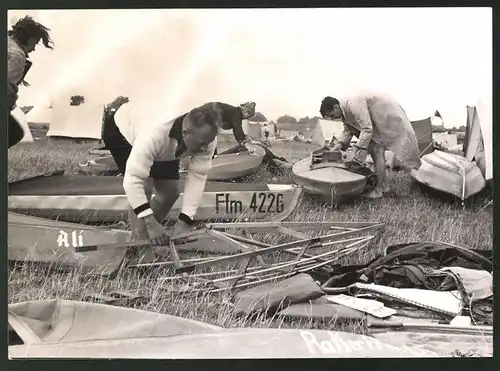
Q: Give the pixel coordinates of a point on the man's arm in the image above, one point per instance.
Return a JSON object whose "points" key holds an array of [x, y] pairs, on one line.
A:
{"points": [[238, 132], [345, 137], [199, 167], [361, 114], [138, 167]]}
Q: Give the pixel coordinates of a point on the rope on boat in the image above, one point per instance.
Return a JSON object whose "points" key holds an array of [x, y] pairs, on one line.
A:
{"points": [[333, 195]]}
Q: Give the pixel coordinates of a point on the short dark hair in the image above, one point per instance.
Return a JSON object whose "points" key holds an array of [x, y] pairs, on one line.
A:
{"points": [[327, 105], [27, 28], [208, 114]]}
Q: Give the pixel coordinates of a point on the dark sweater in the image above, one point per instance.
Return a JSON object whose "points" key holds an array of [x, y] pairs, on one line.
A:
{"points": [[232, 120]]}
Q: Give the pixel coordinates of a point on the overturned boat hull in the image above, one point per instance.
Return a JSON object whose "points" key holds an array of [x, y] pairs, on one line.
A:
{"points": [[108, 331], [227, 344], [451, 174], [238, 164], [225, 166], [52, 242], [333, 184], [83, 198]]}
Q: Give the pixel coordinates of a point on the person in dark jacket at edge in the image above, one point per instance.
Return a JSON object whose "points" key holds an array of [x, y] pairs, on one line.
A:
{"points": [[21, 41]]}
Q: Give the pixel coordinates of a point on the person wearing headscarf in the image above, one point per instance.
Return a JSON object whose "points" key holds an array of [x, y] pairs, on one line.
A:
{"points": [[21, 41], [379, 123]]}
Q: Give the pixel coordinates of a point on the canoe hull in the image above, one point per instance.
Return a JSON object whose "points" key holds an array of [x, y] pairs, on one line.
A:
{"points": [[53, 242], [245, 343], [450, 174], [332, 184], [224, 167], [102, 199], [237, 165]]}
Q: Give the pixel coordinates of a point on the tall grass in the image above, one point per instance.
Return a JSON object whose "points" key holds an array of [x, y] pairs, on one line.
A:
{"points": [[409, 216]]}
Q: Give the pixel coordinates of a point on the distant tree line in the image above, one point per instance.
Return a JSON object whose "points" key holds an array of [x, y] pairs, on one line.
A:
{"points": [[258, 117], [441, 129], [306, 121]]}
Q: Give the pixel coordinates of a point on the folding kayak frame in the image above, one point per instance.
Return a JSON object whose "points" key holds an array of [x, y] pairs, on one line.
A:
{"points": [[302, 261]]}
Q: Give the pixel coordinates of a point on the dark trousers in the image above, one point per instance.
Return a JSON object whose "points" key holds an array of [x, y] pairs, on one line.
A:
{"points": [[16, 133]]}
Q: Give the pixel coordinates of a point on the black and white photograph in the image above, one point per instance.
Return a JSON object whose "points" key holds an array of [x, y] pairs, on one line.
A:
{"points": [[250, 183]]}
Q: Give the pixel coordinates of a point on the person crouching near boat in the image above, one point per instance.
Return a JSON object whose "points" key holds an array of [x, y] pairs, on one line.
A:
{"points": [[149, 156], [232, 119], [379, 123]]}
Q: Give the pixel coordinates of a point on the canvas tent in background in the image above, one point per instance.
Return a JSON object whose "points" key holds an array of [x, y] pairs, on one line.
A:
{"points": [[445, 139], [479, 137], [228, 135], [437, 119], [325, 129], [20, 117], [77, 122], [423, 132], [39, 116], [253, 129]]}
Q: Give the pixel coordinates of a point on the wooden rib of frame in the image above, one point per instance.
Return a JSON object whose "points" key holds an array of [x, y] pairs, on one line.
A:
{"points": [[342, 239]]}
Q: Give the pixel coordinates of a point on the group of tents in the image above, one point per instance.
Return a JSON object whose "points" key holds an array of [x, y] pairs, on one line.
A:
{"points": [[84, 122]]}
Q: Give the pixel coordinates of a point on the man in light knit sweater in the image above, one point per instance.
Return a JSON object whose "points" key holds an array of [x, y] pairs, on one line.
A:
{"points": [[148, 156], [380, 123]]}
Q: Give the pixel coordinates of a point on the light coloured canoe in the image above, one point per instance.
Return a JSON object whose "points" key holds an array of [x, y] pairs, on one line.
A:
{"points": [[74, 329], [83, 198], [451, 174], [224, 166], [332, 183], [237, 165]]}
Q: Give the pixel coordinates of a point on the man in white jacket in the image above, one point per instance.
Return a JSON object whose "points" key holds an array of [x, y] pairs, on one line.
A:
{"points": [[380, 124], [148, 156]]}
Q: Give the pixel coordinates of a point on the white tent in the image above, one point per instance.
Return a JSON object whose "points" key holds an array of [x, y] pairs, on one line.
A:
{"points": [[228, 135], [39, 115], [20, 117], [253, 130], [445, 139], [325, 129], [479, 137], [84, 121], [437, 120]]}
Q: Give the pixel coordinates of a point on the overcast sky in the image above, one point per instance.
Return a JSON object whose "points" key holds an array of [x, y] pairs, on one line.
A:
{"points": [[286, 60]]}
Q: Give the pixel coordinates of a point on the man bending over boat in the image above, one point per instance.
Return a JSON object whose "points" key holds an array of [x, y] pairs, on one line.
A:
{"points": [[232, 119], [380, 124], [148, 156]]}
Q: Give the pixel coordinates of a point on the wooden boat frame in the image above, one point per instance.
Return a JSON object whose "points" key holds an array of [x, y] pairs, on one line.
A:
{"points": [[350, 233]]}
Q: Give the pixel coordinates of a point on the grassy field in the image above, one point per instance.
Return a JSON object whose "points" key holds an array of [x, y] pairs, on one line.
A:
{"points": [[409, 216]]}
